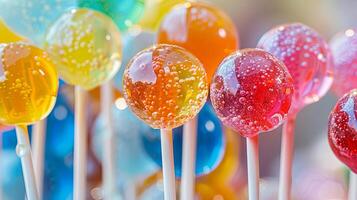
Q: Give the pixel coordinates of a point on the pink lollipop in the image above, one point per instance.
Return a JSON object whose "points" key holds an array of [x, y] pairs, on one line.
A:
{"points": [[307, 56], [344, 51], [342, 134], [251, 92]]}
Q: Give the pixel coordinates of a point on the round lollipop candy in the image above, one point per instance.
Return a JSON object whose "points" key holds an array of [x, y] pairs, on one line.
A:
{"points": [[86, 48], [165, 86], [32, 18], [308, 58], [28, 90], [202, 29], [124, 13], [344, 51], [252, 93], [210, 145], [342, 131]]}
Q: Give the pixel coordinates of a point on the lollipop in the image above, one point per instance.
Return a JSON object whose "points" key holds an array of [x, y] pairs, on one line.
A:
{"points": [[344, 51], [7, 35], [307, 56], [202, 29], [251, 93], [86, 48], [28, 89], [165, 86], [32, 18], [124, 13], [342, 132]]}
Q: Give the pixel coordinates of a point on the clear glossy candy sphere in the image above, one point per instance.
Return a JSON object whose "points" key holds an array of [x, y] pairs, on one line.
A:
{"points": [[28, 84], [203, 29], [165, 86], [342, 130], [85, 47], [251, 91], [307, 57]]}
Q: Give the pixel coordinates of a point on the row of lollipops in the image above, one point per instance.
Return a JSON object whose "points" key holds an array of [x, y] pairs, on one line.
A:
{"points": [[166, 86]]}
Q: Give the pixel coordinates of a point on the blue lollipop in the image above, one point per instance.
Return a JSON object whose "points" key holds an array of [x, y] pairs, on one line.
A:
{"points": [[31, 18], [210, 143]]}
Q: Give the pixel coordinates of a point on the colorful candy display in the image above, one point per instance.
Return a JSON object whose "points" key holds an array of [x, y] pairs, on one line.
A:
{"points": [[165, 86], [28, 84], [306, 55], [124, 13], [344, 51], [154, 12], [85, 46], [32, 18], [210, 146], [342, 130], [202, 29], [251, 92]]}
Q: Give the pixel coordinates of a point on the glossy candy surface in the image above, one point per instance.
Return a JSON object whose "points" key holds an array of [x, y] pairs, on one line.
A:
{"points": [[344, 51], [202, 29], [342, 130], [307, 57], [124, 13], [85, 46], [211, 143], [32, 18], [165, 86], [28, 84], [154, 12], [251, 92]]}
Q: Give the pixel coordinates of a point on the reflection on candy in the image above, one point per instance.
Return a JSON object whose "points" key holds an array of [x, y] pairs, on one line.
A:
{"points": [[28, 84], [133, 43], [251, 92], [85, 46], [7, 35], [342, 130], [124, 13], [131, 159], [344, 51], [210, 143], [307, 57], [202, 29], [32, 18], [154, 12], [165, 86]]}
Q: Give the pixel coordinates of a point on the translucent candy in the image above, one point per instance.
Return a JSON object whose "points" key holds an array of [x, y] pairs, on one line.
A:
{"points": [[154, 12], [342, 130], [28, 84], [308, 58], [7, 35], [124, 13], [85, 46], [251, 92], [165, 86], [344, 51], [32, 18], [202, 29], [211, 143]]}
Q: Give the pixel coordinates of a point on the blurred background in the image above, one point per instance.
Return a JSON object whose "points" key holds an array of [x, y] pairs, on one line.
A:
{"points": [[317, 173]]}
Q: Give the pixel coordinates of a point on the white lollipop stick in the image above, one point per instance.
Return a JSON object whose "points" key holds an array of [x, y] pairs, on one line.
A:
{"points": [[286, 159], [23, 150], [168, 164], [38, 146], [189, 160], [80, 145], [253, 167], [352, 192], [109, 174]]}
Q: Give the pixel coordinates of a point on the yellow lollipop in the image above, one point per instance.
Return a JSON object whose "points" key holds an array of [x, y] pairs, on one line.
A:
{"points": [[85, 46], [28, 90], [7, 35]]}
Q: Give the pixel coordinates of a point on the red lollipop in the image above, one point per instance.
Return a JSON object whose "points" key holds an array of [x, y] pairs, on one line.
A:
{"points": [[251, 92], [342, 135]]}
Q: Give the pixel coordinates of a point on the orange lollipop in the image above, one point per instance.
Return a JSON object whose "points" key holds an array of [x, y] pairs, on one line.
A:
{"points": [[202, 29]]}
